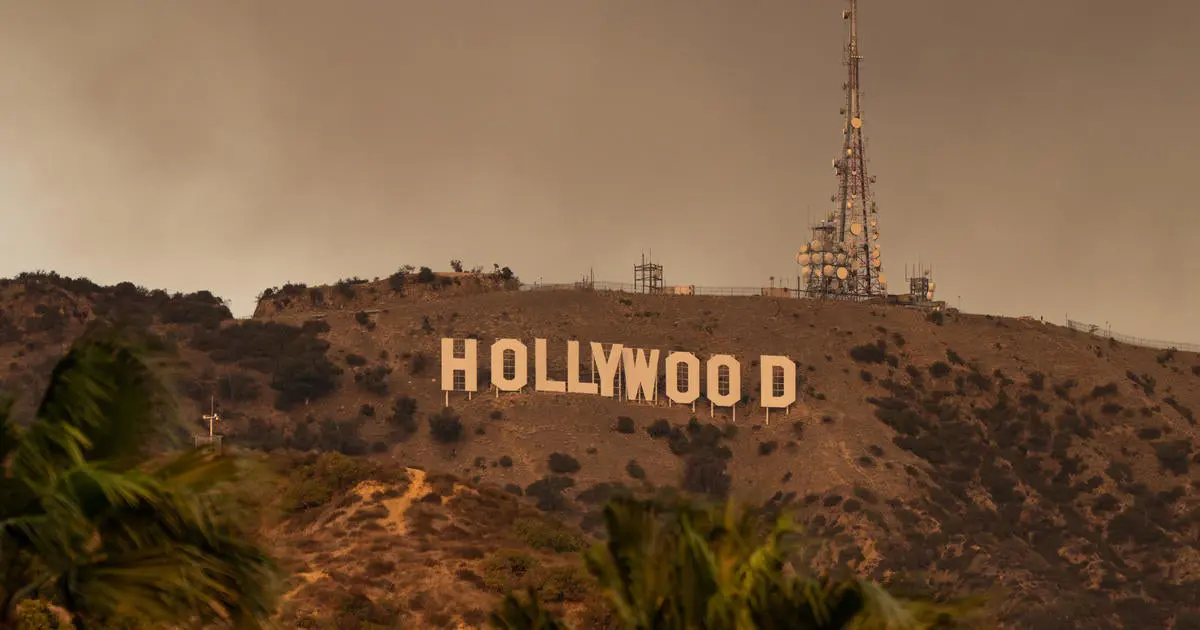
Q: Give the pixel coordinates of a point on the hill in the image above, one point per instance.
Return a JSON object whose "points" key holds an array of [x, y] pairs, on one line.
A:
{"points": [[956, 452]]}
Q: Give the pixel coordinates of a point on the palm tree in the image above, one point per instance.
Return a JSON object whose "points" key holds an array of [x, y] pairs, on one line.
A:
{"points": [[693, 567], [90, 520]]}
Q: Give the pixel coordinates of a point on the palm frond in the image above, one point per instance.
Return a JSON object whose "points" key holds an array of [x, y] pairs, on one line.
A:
{"points": [[103, 403], [524, 613]]}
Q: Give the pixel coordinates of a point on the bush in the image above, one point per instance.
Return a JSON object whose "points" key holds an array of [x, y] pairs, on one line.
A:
{"points": [[935, 317], [397, 281], [417, 364], [625, 425], [425, 275], [374, 380], [304, 379], [445, 426], [563, 464], [939, 369], [238, 387], [363, 319], [315, 482], [635, 470], [355, 360], [540, 533], [869, 353], [403, 420]]}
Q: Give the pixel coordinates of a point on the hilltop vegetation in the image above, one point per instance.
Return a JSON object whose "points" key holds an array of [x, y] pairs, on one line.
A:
{"points": [[948, 455]]}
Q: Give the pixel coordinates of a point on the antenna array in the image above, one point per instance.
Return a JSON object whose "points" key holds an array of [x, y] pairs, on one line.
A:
{"points": [[843, 257]]}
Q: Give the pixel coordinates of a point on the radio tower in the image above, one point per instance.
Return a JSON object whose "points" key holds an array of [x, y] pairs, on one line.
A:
{"points": [[843, 258]]}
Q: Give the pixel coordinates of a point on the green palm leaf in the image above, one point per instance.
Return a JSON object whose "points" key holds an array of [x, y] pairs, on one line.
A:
{"points": [[86, 514]]}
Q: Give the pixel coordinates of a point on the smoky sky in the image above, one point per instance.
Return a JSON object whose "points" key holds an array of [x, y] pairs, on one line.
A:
{"points": [[1039, 155]]}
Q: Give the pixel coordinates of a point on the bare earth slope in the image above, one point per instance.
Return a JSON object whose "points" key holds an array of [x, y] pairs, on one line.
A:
{"points": [[975, 453]]}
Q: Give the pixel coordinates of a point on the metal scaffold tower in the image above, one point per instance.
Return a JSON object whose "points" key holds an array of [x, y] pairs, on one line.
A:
{"points": [[842, 259]]}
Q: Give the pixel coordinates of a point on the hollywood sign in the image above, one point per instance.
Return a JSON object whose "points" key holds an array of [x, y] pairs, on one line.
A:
{"points": [[636, 368]]}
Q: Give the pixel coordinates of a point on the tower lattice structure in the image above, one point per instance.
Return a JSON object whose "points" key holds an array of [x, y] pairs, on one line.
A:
{"points": [[842, 259]]}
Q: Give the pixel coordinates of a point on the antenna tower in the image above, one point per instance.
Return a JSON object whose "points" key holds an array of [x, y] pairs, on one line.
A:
{"points": [[842, 260]]}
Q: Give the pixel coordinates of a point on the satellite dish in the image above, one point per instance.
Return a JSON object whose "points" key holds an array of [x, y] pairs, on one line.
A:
{"points": [[827, 271], [804, 249], [843, 273], [856, 122], [816, 245], [802, 259], [805, 271], [828, 258], [856, 229], [882, 278], [875, 263]]}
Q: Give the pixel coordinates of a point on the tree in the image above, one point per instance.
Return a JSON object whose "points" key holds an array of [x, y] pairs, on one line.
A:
{"points": [[456, 265], [93, 521], [691, 567]]}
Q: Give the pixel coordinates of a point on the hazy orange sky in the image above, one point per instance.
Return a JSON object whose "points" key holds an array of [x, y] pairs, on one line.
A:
{"points": [[1036, 153]]}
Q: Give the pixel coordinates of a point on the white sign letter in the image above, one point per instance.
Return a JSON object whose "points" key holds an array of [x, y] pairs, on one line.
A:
{"points": [[452, 364], [715, 363], [785, 395], [606, 366], [574, 385], [641, 374], [691, 377], [520, 363], [541, 381]]}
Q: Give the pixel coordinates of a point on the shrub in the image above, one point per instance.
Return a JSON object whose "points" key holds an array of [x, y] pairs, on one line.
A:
{"points": [[362, 318], [509, 570], [541, 533], [935, 317], [548, 492], [355, 360], [563, 464], [374, 380], [939, 369], [403, 420], [635, 470], [238, 387], [397, 280], [417, 364], [304, 379], [445, 426], [869, 353], [315, 482], [425, 275], [625, 425]]}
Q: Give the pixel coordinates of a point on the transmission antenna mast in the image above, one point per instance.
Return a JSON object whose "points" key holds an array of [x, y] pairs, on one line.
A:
{"points": [[843, 257]]}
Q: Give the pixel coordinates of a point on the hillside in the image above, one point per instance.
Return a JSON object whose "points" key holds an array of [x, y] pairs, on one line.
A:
{"points": [[962, 452]]}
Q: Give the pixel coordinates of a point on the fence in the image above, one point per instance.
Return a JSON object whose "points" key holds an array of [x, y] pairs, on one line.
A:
{"points": [[623, 287], [1099, 331]]}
